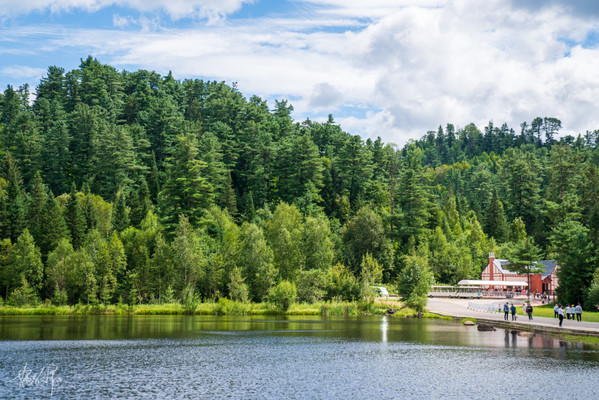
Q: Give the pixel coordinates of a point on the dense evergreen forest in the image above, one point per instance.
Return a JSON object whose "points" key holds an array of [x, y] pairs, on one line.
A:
{"points": [[132, 187]]}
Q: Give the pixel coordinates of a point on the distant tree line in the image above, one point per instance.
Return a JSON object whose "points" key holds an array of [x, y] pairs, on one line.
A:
{"points": [[120, 186]]}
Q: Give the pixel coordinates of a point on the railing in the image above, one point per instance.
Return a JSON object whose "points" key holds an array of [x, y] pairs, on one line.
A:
{"points": [[482, 307]]}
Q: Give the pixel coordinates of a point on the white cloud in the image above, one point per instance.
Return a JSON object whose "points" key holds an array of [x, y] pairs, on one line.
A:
{"points": [[22, 72], [412, 65], [176, 9]]}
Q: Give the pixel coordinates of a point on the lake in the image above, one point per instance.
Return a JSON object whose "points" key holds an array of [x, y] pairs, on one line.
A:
{"points": [[210, 357]]}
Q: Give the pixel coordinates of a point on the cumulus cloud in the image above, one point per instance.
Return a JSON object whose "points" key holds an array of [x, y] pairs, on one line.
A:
{"points": [[176, 9], [22, 72], [325, 95]]}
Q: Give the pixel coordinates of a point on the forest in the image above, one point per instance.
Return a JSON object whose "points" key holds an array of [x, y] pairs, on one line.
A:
{"points": [[132, 187]]}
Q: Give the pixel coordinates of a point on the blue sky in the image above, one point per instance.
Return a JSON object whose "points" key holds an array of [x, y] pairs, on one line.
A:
{"points": [[389, 68]]}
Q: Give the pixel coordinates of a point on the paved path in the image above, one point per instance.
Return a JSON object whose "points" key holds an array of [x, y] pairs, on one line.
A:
{"points": [[459, 308]]}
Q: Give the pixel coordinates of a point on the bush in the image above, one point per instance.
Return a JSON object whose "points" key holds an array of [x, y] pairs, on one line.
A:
{"points": [[343, 284], [414, 282], [60, 296], [311, 285], [283, 295], [23, 296], [238, 290], [190, 300], [592, 297]]}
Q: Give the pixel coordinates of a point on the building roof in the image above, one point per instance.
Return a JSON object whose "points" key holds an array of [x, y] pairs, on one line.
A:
{"points": [[546, 265], [490, 283]]}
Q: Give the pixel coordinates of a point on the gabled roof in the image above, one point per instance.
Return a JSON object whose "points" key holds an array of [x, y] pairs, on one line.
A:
{"points": [[548, 266]]}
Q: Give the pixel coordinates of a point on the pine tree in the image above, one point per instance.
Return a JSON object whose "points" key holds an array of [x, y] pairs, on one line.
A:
{"points": [[186, 192], [495, 224], [54, 227], [75, 219], [140, 203], [36, 208], [120, 214]]}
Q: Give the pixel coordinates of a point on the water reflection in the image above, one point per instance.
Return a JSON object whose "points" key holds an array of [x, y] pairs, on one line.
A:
{"points": [[287, 357], [384, 326], [375, 329]]}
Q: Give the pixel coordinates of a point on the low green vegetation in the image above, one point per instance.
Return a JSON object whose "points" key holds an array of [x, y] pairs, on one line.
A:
{"points": [[221, 307]]}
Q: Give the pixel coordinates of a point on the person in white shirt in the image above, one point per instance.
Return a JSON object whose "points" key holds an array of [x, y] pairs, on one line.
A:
{"points": [[555, 311], [567, 310], [560, 313], [578, 313]]}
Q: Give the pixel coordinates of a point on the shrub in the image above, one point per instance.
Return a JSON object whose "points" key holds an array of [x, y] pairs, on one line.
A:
{"points": [[23, 296], [311, 285], [591, 300], [283, 295], [343, 284], [238, 290], [190, 300]]}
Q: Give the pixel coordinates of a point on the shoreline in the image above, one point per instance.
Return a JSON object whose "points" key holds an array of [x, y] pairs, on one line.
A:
{"points": [[587, 332]]}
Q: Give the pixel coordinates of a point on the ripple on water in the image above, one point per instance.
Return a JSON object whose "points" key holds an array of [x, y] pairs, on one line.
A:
{"points": [[342, 360]]}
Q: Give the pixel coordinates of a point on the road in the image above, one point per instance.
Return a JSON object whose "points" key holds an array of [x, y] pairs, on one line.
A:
{"points": [[459, 308]]}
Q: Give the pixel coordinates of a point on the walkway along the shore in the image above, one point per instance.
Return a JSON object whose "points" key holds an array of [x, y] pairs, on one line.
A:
{"points": [[459, 309]]}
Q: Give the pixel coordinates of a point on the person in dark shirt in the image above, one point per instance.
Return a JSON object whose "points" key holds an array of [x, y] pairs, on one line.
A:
{"points": [[529, 310], [513, 310]]}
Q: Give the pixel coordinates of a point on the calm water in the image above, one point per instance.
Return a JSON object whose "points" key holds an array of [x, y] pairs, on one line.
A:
{"points": [[106, 357]]}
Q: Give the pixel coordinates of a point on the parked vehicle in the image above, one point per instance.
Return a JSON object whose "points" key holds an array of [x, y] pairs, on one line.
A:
{"points": [[381, 291]]}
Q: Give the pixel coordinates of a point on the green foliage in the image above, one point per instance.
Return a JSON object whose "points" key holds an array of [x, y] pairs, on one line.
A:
{"points": [[238, 290], [283, 295], [343, 285], [188, 259], [371, 271], [414, 282], [23, 295], [591, 300], [187, 191], [312, 195], [311, 285], [256, 258], [364, 234], [190, 299], [25, 261], [284, 235], [574, 252]]}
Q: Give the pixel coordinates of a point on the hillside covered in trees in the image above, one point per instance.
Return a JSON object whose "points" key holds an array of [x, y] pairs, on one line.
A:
{"points": [[120, 186]]}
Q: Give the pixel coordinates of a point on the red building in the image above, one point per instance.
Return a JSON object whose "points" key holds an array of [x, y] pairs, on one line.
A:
{"points": [[544, 282]]}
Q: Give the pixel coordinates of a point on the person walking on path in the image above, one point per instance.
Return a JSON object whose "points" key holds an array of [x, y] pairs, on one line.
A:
{"points": [[529, 311], [513, 310], [578, 313], [506, 311], [573, 312], [555, 307], [567, 310], [560, 313]]}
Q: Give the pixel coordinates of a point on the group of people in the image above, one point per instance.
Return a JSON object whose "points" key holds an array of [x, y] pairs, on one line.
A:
{"points": [[526, 309], [570, 312]]}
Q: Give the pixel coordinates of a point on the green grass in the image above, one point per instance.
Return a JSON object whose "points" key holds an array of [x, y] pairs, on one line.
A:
{"points": [[221, 307], [547, 311]]}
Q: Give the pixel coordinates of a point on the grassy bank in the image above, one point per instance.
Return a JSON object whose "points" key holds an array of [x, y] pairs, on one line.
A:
{"points": [[227, 307], [221, 307]]}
